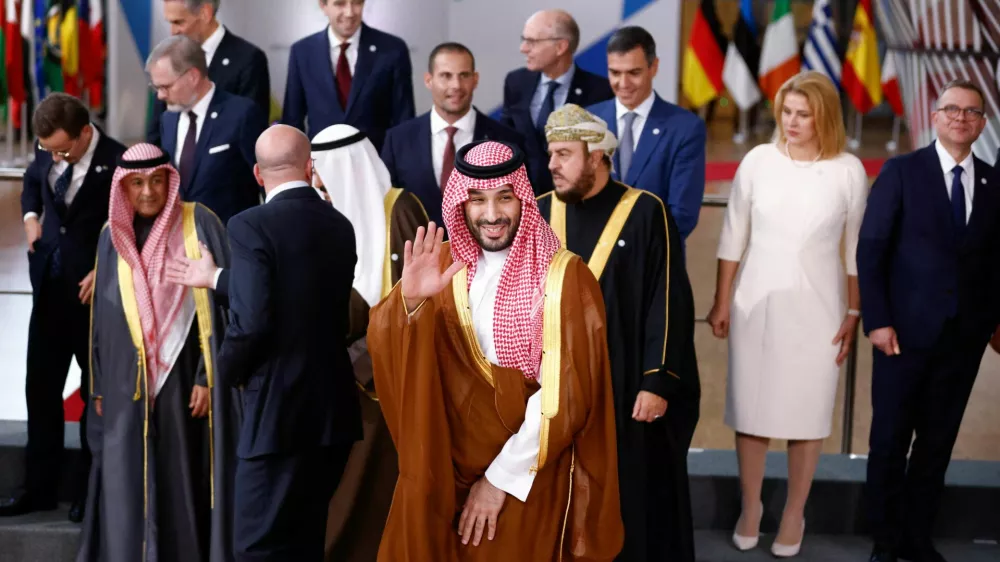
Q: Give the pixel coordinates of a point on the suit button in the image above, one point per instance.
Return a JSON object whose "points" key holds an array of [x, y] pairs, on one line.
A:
{"points": [[62, 230]]}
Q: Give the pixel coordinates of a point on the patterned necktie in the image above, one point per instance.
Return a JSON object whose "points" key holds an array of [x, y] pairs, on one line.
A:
{"points": [[61, 188], [186, 167], [958, 211], [548, 106], [343, 77], [448, 160], [625, 146]]}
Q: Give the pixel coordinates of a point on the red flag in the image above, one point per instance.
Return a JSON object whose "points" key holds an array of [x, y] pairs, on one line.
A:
{"points": [[890, 84], [13, 58]]}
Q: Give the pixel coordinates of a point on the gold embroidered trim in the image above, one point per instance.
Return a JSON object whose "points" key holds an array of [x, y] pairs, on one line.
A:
{"points": [[569, 502], [460, 291], [389, 202], [551, 368]]}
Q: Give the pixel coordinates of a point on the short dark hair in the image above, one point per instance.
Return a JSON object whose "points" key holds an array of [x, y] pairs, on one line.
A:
{"points": [[449, 47], [60, 111], [964, 84], [194, 5], [627, 38]]}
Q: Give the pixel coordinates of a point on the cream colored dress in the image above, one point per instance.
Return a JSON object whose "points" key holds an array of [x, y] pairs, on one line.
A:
{"points": [[785, 222]]}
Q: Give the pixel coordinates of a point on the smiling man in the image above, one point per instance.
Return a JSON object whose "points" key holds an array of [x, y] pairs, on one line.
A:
{"points": [[491, 364]]}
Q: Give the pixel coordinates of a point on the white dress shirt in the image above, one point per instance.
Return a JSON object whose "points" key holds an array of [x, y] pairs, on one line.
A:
{"points": [[80, 170], [559, 99], [641, 114], [968, 178], [511, 470], [352, 49], [200, 110], [211, 45], [439, 137]]}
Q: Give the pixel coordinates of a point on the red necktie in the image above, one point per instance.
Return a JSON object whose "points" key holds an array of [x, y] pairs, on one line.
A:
{"points": [[343, 77], [448, 162]]}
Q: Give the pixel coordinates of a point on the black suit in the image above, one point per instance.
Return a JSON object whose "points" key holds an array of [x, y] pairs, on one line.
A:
{"points": [[407, 155], [59, 325], [239, 68], [292, 270], [585, 89]]}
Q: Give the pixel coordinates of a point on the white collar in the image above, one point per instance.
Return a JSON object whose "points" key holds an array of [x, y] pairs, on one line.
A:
{"points": [[642, 110], [285, 187], [466, 124], [493, 260], [214, 40], [201, 107], [354, 40], [564, 80], [89, 155], [948, 163]]}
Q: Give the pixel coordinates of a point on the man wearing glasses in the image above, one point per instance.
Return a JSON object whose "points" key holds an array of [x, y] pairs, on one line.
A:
{"points": [[549, 80], [208, 133], [928, 268], [65, 205]]}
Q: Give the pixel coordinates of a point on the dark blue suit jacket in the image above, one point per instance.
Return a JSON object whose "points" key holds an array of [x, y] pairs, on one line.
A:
{"points": [[381, 90], [239, 68], [223, 177], [669, 161], [407, 154], [913, 272], [75, 233], [289, 292], [519, 87]]}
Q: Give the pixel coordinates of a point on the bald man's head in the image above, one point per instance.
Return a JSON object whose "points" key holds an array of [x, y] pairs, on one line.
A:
{"points": [[549, 40], [283, 155]]}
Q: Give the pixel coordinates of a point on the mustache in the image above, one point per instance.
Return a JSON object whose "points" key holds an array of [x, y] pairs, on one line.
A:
{"points": [[498, 222]]}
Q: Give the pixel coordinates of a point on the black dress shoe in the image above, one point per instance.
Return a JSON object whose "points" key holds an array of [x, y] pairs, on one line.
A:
{"points": [[76, 511], [883, 554], [24, 504]]}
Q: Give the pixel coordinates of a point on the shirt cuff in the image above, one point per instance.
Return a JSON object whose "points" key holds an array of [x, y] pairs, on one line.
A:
{"points": [[31, 215], [511, 470], [215, 280]]}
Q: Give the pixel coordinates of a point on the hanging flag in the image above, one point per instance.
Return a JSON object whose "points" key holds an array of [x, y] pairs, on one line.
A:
{"points": [[779, 57], [861, 80], [69, 45], [3, 49], [890, 84], [92, 64], [703, 57], [52, 62], [743, 60], [39, 10], [820, 52]]}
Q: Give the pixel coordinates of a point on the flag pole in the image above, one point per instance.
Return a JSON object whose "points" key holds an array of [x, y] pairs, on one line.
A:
{"points": [[25, 151], [743, 133], [855, 143], [10, 133], [893, 145]]}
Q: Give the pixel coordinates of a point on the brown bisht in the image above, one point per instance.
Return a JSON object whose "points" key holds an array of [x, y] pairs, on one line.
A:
{"points": [[450, 411]]}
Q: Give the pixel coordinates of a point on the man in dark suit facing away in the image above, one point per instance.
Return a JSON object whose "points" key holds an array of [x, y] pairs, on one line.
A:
{"points": [[420, 153], [550, 80], [235, 65], [348, 74], [928, 270], [289, 291], [208, 133], [68, 185]]}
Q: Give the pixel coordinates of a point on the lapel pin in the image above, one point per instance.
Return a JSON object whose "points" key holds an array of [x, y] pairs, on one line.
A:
{"points": [[656, 131], [225, 62], [983, 180], [394, 257], [372, 48], [215, 114], [98, 169], [578, 92], [621, 243]]}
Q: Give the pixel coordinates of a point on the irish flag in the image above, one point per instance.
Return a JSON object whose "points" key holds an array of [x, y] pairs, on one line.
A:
{"points": [[861, 81], [779, 57]]}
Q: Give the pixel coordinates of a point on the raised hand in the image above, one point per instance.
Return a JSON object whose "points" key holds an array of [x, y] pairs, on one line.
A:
{"points": [[422, 276]]}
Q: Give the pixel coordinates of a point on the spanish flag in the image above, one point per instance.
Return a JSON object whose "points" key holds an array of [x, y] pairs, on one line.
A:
{"points": [[704, 57], [862, 82]]}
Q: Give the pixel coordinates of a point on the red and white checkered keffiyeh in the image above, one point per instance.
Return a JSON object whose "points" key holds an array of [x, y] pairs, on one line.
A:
{"points": [[517, 317], [159, 302]]}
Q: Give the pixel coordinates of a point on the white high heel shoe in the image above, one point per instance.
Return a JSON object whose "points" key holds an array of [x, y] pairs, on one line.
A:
{"points": [[742, 543], [788, 550]]}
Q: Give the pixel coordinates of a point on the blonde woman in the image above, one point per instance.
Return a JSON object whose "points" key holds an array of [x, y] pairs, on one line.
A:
{"points": [[788, 315]]}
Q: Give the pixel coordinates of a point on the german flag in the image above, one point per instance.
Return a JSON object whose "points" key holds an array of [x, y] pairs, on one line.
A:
{"points": [[704, 57]]}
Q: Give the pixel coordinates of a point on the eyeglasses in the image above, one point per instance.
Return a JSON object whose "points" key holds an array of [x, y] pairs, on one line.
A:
{"points": [[59, 153], [532, 42], [970, 113]]}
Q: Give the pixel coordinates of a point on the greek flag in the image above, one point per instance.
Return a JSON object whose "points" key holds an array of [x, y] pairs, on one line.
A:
{"points": [[820, 51]]}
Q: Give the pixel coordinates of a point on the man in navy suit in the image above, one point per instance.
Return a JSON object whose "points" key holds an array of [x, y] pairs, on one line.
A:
{"points": [[550, 80], [928, 260], [235, 65], [292, 267], [68, 185], [208, 133], [661, 146], [420, 153], [349, 74]]}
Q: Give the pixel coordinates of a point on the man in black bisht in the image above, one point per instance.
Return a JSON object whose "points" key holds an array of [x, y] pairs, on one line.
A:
{"points": [[632, 246]]}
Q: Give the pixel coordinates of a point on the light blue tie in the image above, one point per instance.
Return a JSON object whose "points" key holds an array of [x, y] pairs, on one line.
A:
{"points": [[625, 146]]}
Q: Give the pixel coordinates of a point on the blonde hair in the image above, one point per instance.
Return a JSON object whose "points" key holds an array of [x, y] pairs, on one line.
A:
{"points": [[824, 102]]}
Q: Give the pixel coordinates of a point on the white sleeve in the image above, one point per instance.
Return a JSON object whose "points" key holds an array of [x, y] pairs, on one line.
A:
{"points": [[215, 279], [857, 201], [30, 215], [736, 225], [512, 470]]}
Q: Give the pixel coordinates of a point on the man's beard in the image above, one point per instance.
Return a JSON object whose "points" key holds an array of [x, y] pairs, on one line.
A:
{"points": [[580, 188], [493, 245]]}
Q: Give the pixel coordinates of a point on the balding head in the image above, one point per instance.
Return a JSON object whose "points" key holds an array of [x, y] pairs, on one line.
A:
{"points": [[549, 39], [283, 155]]}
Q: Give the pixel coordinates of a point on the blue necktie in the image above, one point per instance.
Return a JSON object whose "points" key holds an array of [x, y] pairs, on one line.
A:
{"points": [[958, 201], [548, 106], [59, 190]]}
